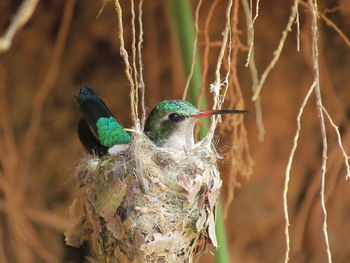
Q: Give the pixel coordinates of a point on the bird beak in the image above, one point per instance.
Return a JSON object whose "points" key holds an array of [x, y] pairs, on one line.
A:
{"points": [[204, 113]]}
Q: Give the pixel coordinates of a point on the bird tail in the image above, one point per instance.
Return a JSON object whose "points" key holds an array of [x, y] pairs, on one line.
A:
{"points": [[89, 140], [100, 119], [92, 107]]}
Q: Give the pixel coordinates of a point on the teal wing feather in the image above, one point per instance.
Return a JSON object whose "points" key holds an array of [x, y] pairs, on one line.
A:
{"points": [[110, 132], [100, 119]]}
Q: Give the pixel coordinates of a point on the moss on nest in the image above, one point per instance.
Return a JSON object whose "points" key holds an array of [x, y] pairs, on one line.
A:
{"points": [[148, 204]]}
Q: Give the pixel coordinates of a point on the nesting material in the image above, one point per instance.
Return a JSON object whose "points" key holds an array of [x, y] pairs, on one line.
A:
{"points": [[147, 204]]}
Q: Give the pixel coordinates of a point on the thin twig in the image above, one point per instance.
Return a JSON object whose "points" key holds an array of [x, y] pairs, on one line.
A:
{"points": [[256, 11], [305, 209], [331, 24], [134, 54], [253, 69], [216, 86], [313, 7], [250, 27], [233, 125], [297, 21], [278, 51], [99, 13], [345, 155], [139, 53], [23, 14], [128, 69], [288, 169], [206, 50]]}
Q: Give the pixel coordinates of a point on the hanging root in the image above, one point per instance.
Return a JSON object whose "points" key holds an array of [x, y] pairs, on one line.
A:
{"points": [[321, 110], [288, 169], [130, 70], [22, 16], [251, 63], [278, 51]]}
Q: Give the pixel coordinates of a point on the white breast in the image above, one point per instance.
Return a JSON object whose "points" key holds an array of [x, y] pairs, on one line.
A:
{"points": [[117, 148], [182, 137]]}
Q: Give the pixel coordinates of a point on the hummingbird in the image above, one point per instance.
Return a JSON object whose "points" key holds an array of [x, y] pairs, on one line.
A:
{"points": [[99, 131], [171, 123]]}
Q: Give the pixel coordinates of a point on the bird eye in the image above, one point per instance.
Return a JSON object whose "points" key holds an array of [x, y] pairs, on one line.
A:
{"points": [[174, 117]]}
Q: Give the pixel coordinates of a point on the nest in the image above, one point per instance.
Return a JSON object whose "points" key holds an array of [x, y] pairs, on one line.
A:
{"points": [[148, 204]]}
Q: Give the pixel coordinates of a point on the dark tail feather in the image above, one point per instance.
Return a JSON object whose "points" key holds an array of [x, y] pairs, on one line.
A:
{"points": [[92, 106], [89, 140]]}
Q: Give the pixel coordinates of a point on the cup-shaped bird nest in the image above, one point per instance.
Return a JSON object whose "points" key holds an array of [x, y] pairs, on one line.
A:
{"points": [[148, 204]]}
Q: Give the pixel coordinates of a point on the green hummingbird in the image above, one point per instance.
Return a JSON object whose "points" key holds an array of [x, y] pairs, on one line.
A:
{"points": [[171, 123], [99, 131]]}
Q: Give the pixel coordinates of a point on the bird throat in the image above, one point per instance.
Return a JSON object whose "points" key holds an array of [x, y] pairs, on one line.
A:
{"points": [[180, 138]]}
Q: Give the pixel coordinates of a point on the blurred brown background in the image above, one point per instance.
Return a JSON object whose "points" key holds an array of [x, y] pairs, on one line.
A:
{"points": [[39, 148]]}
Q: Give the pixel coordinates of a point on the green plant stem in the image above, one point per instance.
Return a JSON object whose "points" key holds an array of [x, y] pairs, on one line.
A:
{"points": [[183, 23], [222, 255]]}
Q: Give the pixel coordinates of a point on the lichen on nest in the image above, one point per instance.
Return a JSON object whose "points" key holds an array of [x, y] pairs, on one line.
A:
{"points": [[148, 204]]}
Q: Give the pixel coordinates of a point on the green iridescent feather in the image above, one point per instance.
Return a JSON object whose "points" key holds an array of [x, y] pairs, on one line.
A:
{"points": [[110, 132], [179, 106]]}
